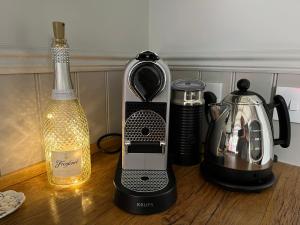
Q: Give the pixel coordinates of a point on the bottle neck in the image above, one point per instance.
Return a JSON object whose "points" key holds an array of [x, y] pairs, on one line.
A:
{"points": [[63, 88]]}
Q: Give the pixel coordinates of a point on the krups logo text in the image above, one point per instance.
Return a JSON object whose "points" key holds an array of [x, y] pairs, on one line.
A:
{"points": [[145, 204]]}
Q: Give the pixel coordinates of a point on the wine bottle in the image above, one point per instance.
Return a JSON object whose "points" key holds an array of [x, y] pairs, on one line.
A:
{"points": [[65, 128]]}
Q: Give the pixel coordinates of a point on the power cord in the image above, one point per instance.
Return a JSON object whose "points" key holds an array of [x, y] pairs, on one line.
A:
{"points": [[110, 143]]}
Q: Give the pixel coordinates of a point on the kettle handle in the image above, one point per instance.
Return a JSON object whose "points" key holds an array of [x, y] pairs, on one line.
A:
{"points": [[284, 122], [209, 98]]}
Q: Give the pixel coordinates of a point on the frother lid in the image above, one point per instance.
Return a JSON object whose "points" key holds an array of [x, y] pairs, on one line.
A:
{"points": [[188, 85]]}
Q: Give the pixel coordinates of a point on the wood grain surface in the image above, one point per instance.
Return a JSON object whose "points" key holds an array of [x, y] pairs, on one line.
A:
{"points": [[199, 202], [29, 172]]}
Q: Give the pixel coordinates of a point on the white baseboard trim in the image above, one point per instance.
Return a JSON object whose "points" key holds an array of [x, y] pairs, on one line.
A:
{"points": [[275, 61], [10, 70], [22, 62]]}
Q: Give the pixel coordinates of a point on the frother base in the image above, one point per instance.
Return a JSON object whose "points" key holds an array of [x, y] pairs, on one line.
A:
{"points": [[211, 174], [143, 202]]}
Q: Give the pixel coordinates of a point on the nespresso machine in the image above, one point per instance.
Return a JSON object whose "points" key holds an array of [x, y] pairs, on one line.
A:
{"points": [[144, 183]]}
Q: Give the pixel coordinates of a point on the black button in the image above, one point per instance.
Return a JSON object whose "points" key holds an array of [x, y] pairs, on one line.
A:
{"points": [[144, 178], [145, 131]]}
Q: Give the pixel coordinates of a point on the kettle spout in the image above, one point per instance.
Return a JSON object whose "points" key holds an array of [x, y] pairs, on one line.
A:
{"points": [[219, 112]]}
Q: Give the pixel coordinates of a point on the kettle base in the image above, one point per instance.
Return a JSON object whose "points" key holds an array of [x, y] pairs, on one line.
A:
{"points": [[212, 174]]}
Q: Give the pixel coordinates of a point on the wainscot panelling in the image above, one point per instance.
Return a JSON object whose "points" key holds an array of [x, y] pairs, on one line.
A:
{"points": [[114, 91], [185, 74], [45, 82], [219, 77], [25, 97], [292, 154], [20, 142], [92, 94], [261, 83]]}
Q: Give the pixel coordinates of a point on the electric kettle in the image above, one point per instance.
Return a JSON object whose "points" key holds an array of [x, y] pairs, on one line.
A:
{"points": [[239, 144]]}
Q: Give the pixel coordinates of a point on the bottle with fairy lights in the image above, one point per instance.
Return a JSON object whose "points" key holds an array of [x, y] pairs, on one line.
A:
{"points": [[65, 128]]}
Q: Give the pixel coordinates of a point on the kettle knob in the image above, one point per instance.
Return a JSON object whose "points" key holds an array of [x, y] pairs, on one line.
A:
{"points": [[243, 85]]}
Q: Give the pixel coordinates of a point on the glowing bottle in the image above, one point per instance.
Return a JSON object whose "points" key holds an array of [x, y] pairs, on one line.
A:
{"points": [[65, 127]]}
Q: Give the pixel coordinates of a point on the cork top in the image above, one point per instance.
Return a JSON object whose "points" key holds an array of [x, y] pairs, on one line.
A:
{"points": [[59, 32]]}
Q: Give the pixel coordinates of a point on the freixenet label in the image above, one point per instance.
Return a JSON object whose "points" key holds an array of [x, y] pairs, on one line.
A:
{"points": [[66, 164]]}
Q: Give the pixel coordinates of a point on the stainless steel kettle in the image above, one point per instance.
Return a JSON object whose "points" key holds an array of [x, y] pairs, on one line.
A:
{"points": [[240, 139]]}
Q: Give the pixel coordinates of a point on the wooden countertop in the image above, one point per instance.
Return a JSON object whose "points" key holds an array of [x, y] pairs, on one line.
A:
{"points": [[198, 202]]}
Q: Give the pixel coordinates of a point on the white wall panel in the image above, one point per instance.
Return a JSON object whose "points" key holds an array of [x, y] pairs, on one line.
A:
{"points": [[260, 83], [114, 90], [92, 93], [292, 154], [20, 143], [185, 74], [218, 77]]}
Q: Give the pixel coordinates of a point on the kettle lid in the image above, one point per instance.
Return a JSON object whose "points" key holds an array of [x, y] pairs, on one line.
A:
{"points": [[243, 96]]}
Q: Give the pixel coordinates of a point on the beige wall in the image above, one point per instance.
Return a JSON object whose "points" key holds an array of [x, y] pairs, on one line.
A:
{"points": [[94, 27], [209, 26]]}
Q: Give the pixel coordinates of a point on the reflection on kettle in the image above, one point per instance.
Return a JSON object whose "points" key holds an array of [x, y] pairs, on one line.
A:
{"points": [[239, 145], [219, 116]]}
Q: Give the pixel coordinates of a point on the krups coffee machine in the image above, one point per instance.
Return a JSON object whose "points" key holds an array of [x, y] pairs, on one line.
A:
{"points": [[144, 182]]}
